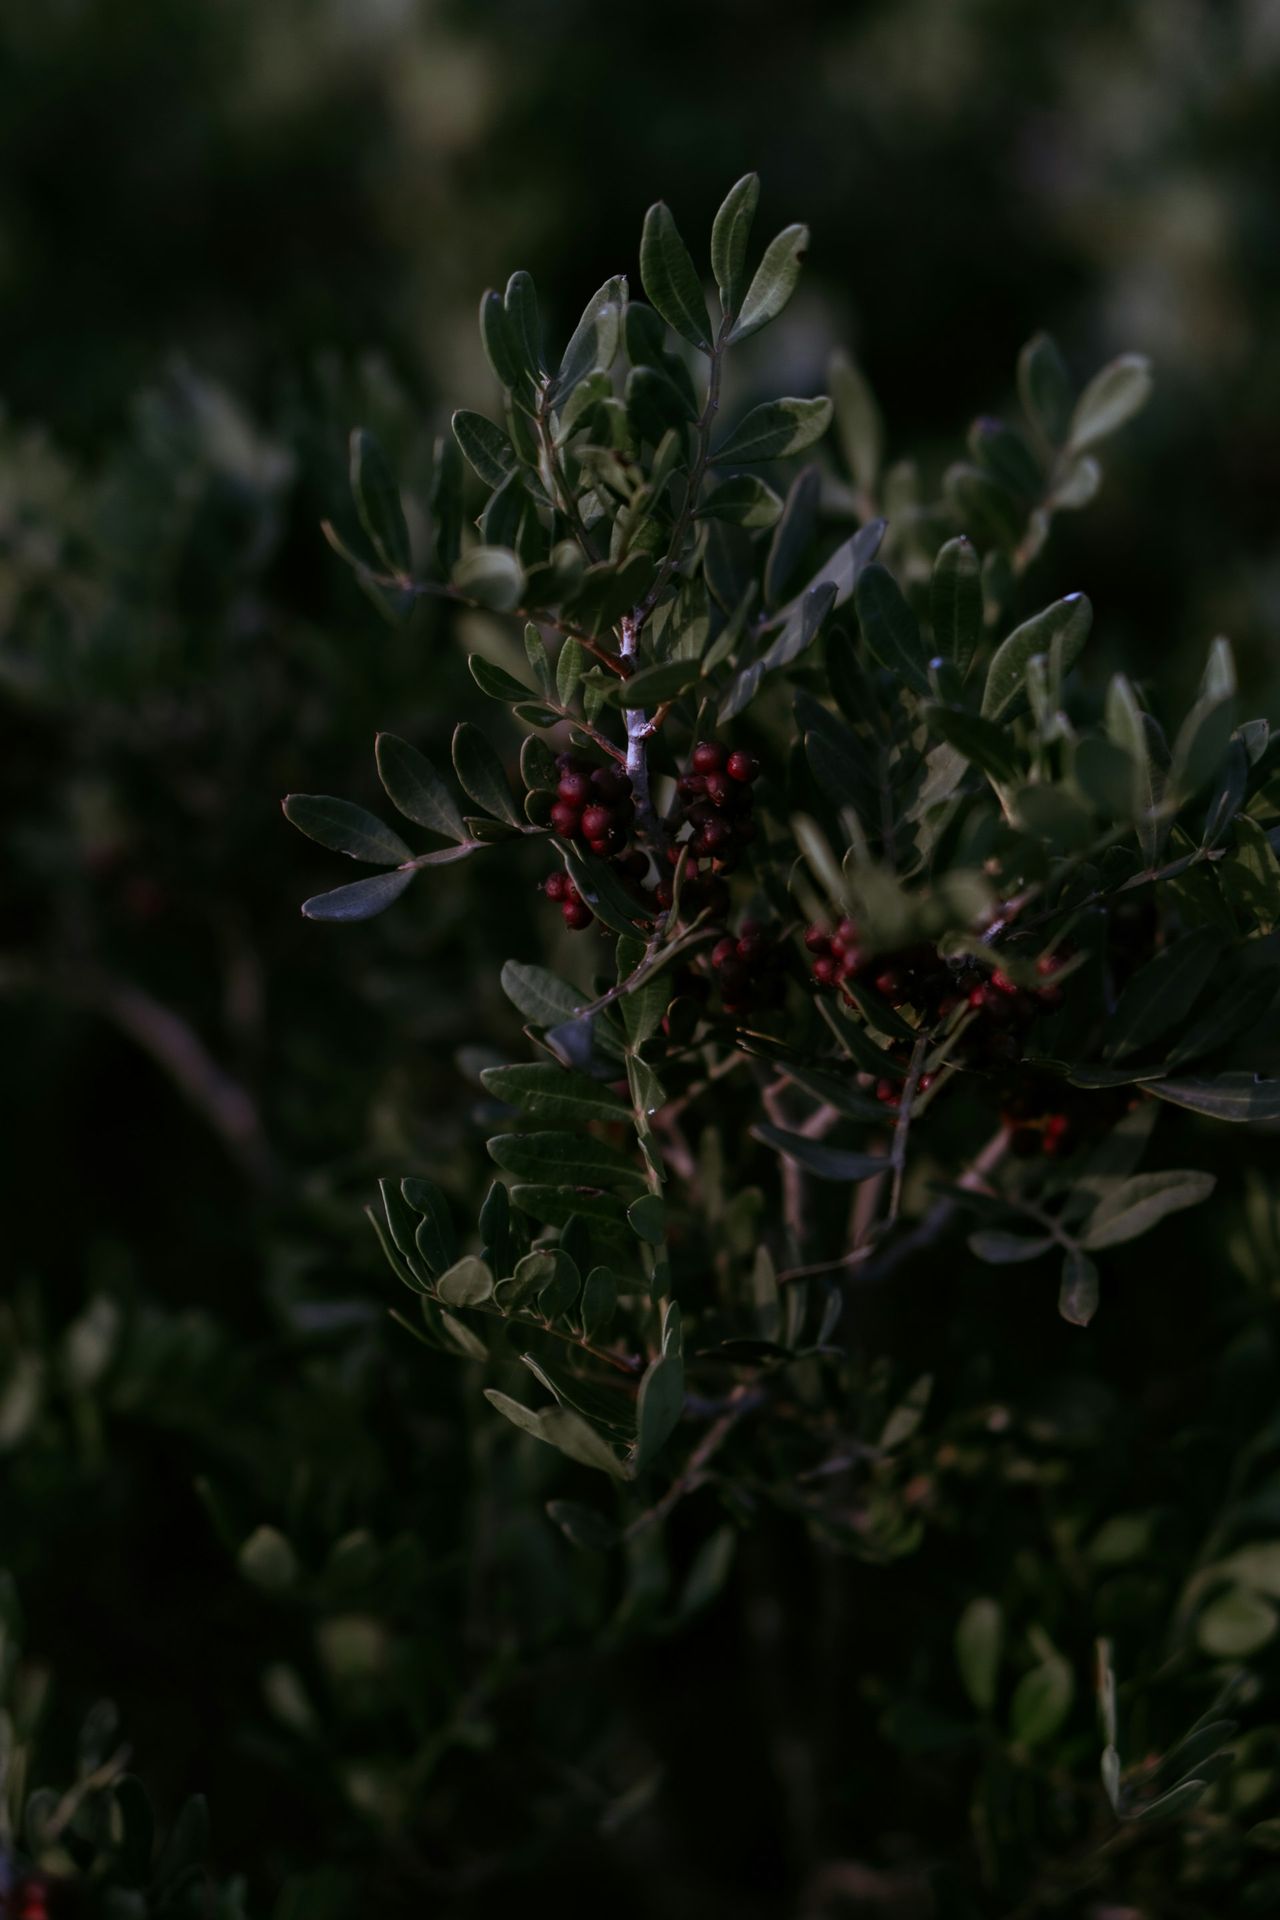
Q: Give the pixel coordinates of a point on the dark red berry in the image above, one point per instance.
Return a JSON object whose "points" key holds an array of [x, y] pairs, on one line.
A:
{"points": [[886, 1093], [718, 788], [742, 766], [564, 819], [664, 894], [690, 785], [1002, 983], [826, 970], [716, 834], [574, 787], [554, 885], [596, 821], [924, 1083], [817, 939], [1046, 965], [707, 757], [724, 951], [576, 914], [751, 947], [611, 785], [889, 983]]}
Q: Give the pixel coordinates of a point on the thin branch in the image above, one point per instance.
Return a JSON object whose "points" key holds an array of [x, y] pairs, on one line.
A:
{"points": [[742, 1401]]}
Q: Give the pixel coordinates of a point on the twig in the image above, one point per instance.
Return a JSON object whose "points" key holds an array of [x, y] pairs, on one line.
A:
{"points": [[742, 1401]]}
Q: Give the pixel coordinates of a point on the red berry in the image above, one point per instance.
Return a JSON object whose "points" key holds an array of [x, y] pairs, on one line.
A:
{"points": [[600, 847], [751, 947], [596, 821], [1046, 965], [846, 933], [718, 788], [889, 983], [707, 757], [611, 784], [554, 885], [817, 939], [715, 834], [664, 894], [742, 766], [979, 999], [826, 970], [924, 1083], [723, 951], [576, 914], [886, 1093], [1002, 983], [690, 785], [564, 819], [574, 787]]}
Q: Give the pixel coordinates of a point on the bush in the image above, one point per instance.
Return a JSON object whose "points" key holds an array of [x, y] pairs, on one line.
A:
{"points": [[929, 1600]]}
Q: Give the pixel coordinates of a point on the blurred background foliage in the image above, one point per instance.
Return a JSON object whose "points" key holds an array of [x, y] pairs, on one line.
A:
{"points": [[228, 231]]}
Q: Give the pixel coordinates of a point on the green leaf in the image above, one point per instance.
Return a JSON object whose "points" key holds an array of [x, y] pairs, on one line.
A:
{"points": [[361, 899], [268, 1560], [793, 533], [652, 685], [1205, 735], [481, 774], [828, 1163], [485, 446], [648, 1218], [562, 1428], [446, 501], [569, 1159], [599, 1302], [524, 326], [979, 1633], [496, 682], [1005, 1249], [468, 1283], [955, 602], [416, 789], [981, 741], [594, 345], [1179, 1799], [1113, 396], [730, 233], [1064, 625], [889, 627], [1235, 1625], [1235, 1097], [742, 500], [501, 348], [1041, 1702], [490, 576], [377, 498], [1078, 1292], [659, 1405], [434, 1238], [1160, 993], [775, 428], [773, 282], [1044, 387], [670, 278], [554, 1095], [1139, 1203], [858, 424], [345, 828], [541, 997]]}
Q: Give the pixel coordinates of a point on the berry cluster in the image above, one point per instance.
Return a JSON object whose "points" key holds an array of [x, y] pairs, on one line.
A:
{"points": [[748, 970], [594, 806], [919, 976], [714, 801]]}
